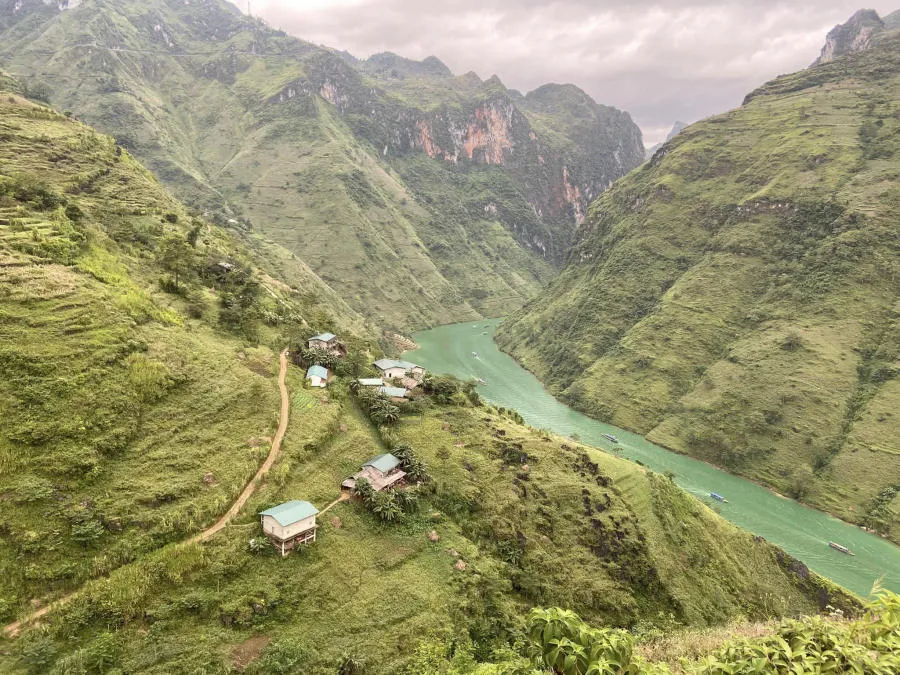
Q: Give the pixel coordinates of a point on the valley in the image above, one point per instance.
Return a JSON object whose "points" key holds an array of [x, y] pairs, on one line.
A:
{"points": [[188, 194], [801, 531], [420, 196]]}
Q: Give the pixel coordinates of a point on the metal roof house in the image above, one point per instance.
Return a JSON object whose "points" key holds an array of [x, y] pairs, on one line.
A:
{"points": [[327, 342], [290, 524], [397, 368], [393, 392], [382, 472], [317, 376], [370, 382]]}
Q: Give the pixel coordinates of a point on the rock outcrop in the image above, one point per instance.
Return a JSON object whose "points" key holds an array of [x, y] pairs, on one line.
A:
{"points": [[853, 36]]}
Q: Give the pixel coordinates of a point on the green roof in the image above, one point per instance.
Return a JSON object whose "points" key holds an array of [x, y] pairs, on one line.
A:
{"points": [[396, 392], [384, 463], [324, 337], [317, 371], [290, 512]]}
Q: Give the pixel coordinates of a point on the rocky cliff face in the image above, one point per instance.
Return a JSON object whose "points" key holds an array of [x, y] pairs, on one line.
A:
{"points": [[853, 36], [472, 123]]}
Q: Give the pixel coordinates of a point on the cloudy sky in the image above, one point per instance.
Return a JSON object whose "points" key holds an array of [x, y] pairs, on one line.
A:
{"points": [[661, 60]]}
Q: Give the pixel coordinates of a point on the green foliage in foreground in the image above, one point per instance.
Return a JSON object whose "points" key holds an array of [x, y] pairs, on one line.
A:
{"points": [[560, 642], [735, 298]]}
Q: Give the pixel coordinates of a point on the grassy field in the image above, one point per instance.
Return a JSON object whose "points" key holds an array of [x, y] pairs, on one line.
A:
{"points": [[736, 298], [571, 526]]}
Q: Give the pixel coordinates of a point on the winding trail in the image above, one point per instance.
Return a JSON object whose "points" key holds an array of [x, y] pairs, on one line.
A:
{"points": [[250, 488], [13, 629]]}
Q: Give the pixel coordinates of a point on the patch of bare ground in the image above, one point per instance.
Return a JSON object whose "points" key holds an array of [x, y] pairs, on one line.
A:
{"points": [[245, 653]]}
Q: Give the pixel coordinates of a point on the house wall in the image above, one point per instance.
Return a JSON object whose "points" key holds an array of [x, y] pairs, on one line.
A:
{"points": [[393, 372], [271, 526], [316, 381]]}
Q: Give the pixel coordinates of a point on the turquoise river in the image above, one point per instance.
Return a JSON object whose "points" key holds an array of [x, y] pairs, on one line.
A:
{"points": [[801, 531]]}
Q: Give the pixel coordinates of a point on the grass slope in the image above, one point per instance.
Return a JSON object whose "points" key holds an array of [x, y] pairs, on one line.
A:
{"points": [[736, 297], [129, 417], [573, 527]]}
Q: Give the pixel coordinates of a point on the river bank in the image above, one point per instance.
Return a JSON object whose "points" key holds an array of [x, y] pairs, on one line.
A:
{"points": [[798, 529]]}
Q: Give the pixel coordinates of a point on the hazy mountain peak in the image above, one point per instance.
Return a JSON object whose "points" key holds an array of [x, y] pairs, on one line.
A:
{"points": [[391, 65], [675, 130]]}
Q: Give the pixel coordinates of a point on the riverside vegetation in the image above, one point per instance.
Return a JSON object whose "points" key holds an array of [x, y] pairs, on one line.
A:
{"points": [[736, 298]]}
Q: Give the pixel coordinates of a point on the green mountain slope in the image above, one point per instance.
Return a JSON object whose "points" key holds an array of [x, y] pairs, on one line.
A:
{"points": [[117, 399], [421, 197], [138, 397], [574, 527], [736, 298]]}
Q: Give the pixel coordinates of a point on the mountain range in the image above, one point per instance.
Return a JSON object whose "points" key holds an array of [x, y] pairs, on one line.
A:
{"points": [[735, 297], [420, 196]]}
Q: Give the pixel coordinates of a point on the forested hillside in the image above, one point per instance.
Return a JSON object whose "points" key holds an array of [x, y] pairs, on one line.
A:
{"points": [[736, 298], [420, 196]]}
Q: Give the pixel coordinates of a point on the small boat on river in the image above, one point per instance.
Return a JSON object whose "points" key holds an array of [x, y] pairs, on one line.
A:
{"points": [[610, 437], [475, 355], [480, 381], [718, 497], [842, 549]]}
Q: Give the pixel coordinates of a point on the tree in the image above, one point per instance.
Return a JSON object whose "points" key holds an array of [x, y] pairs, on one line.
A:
{"points": [[383, 412], [385, 506], [363, 489], [194, 234], [176, 256]]}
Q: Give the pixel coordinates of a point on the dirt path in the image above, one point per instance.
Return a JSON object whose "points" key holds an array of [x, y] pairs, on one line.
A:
{"points": [[344, 497], [264, 469], [13, 629]]}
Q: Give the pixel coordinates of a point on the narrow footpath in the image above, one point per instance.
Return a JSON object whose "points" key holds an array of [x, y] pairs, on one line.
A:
{"points": [[13, 629], [266, 466]]}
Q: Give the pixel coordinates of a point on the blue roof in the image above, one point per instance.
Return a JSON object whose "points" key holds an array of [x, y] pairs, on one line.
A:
{"points": [[324, 337], [317, 371], [290, 512], [384, 364], [384, 463], [396, 392]]}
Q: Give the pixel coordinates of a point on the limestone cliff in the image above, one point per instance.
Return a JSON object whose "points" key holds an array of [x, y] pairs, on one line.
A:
{"points": [[853, 36]]}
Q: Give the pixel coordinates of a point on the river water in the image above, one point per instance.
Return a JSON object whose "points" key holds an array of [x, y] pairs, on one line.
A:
{"points": [[801, 531]]}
